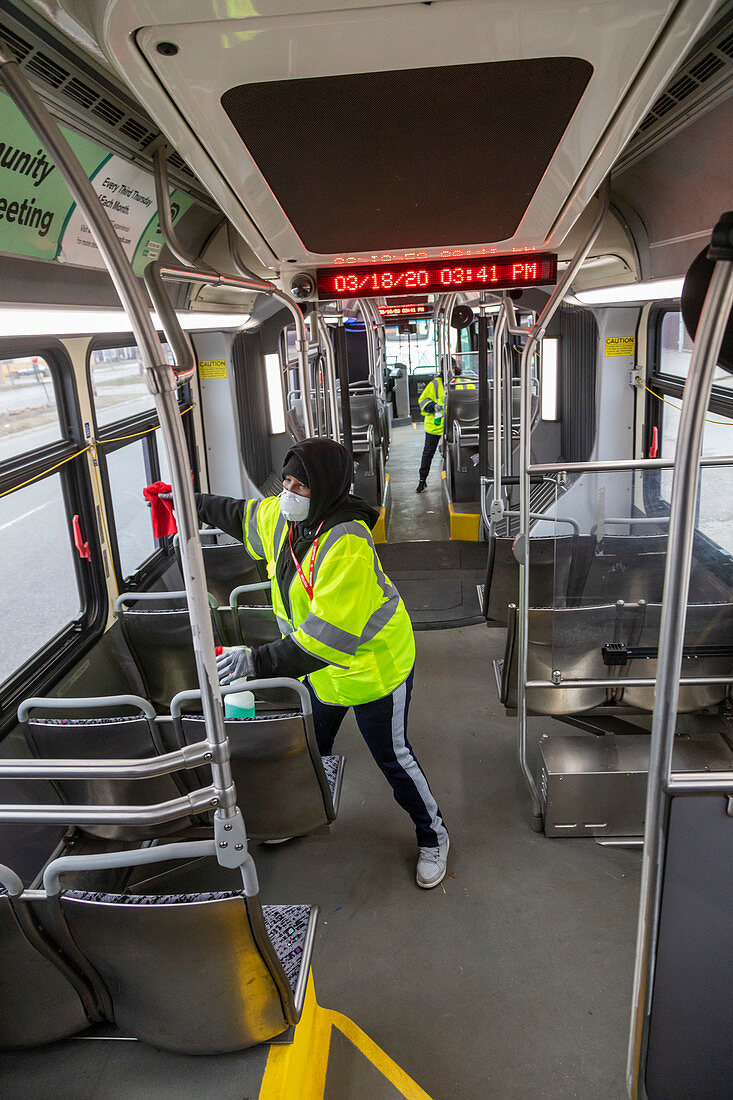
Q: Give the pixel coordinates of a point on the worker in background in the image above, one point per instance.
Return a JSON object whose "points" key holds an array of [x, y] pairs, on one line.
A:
{"points": [[432, 406], [342, 621]]}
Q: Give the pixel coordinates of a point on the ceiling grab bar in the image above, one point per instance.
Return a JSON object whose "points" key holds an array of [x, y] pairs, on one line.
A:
{"points": [[525, 459], [711, 327], [301, 335], [162, 383], [165, 214]]}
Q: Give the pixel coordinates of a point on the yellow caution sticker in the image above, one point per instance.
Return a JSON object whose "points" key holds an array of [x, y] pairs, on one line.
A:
{"points": [[216, 368], [619, 345]]}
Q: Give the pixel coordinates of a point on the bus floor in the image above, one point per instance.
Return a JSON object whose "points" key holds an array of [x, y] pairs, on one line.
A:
{"points": [[510, 981], [414, 516]]}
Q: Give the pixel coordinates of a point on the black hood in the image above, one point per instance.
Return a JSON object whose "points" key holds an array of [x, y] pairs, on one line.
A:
{"points": [[329, 469]]}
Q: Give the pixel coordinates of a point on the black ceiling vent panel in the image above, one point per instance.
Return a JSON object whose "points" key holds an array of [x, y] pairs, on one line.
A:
{"points": [[423, 157], [17, 46]]}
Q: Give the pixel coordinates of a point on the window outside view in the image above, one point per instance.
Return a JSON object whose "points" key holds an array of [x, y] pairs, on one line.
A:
{"points": [[716, 483]]}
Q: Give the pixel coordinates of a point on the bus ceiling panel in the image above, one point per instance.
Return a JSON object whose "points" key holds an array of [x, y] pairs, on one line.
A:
{"points": [[474, 106]]}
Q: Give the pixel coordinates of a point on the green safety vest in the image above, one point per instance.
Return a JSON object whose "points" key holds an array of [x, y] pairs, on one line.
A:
{"points": [[356, 620], [435, 391]]}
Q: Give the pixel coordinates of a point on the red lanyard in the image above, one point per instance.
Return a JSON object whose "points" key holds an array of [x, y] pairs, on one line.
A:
{"points": [[307, 584]]}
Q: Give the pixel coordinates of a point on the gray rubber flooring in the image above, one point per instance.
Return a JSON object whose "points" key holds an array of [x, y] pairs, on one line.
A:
{"points": [[511, 980], [414, 516]]}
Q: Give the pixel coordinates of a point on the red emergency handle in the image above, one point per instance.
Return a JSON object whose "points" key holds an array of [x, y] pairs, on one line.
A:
{"points": [[654, 449], [81, 546]]}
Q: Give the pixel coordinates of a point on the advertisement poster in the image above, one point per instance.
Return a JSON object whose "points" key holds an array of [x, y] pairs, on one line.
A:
{"points": [[38, 218]]}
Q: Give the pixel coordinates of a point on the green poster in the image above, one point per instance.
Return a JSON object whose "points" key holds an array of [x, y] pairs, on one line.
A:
{"points": [[38, 218], [151, 242], [34, 200]]}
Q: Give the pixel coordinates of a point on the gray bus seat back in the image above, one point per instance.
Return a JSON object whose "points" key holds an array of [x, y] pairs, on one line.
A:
{"points": [[461, 405], [365, 412], [256, 625], [566, 641], [185, 972], [127, 738], [706, 624], [277, 770], [227, 565], [39, 1005], [627, 567], [549, 574], [162, 647]]}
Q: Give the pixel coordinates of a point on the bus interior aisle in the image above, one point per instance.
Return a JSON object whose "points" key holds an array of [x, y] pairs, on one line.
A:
{"points": [[510, 980], [366, 361]]}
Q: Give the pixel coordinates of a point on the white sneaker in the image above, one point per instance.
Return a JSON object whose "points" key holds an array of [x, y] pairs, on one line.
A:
{"points": [[431, 865], [283, 840]]}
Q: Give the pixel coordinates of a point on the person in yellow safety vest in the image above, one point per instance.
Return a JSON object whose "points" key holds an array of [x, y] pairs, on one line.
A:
{"points": [[342, 621], [432, 405]]}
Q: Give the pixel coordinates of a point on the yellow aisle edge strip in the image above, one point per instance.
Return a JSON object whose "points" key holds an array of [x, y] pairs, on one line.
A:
{"points": [[299, 1069], [379, 531]]}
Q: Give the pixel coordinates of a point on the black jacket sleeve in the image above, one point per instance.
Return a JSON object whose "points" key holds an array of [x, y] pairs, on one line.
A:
{"points": [[284, 658], [427, 407], [226, 513]]}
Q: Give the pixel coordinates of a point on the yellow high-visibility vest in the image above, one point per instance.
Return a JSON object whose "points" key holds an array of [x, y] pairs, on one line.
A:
{"points": [[356, 619], [434, 391]]}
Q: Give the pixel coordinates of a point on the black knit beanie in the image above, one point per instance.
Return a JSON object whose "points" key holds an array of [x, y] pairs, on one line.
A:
{"points": [[295, 468]]}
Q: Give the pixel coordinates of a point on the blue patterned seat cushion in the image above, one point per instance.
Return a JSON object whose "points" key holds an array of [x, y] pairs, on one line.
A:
{"points": [[331, 767], [286, 925]]}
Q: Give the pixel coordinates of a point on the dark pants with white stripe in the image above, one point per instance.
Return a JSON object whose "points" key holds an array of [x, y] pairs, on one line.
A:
{"points": [[428, 451], [383, 725]]}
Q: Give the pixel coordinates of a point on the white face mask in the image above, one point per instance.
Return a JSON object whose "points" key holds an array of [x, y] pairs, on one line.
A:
{"points": [[295, 508]]}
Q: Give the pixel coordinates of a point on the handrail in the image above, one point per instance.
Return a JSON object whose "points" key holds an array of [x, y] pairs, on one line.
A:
{"points": [[165, 214], [162, 383], [151, 597], [330, 358], [631, 681], [190, 756], [192, 695], [100, 702], [157, 273], [525, 461], [138, 857], [620, 464], [207, 798], [711, 327]]}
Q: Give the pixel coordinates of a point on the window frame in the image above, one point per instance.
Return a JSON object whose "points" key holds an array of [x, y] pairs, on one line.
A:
{"points": [[65, 648], [138, 428]]}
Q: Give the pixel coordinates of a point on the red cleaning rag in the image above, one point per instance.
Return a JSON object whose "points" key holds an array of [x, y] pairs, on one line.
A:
{"points": [[161, 511]]}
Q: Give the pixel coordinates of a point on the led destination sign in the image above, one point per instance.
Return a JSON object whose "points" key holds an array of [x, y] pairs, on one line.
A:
{"points": [[406, 307], [437, 276]]}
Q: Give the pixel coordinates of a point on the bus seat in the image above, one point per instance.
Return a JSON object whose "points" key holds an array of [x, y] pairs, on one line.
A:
{"points": [[706, 624], [39, 1003], [246, 622], [226, 565], [160, 642], [285, 785], [553, 564], [54, 736], [195, 973], [565, 640], [368, 442], [628, 567]]}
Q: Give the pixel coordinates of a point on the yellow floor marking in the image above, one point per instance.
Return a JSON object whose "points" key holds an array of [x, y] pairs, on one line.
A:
{"points": [[298, 1071], [374, 1054]]}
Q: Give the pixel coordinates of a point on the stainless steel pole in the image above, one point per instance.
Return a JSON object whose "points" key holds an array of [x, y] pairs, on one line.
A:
{"points": [[331, 375], [695, 399], [525, 460], [162, 383]]}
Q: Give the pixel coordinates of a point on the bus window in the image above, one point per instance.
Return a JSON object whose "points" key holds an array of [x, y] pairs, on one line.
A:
{"points": [[118, 383], [40, 592], [53, 600], [674, 350], [131, 455], [29, 415]]}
